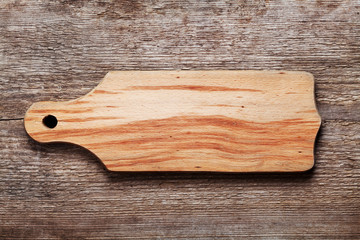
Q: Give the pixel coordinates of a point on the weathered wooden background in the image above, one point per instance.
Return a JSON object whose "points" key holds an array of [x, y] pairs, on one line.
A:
{"points": [[53, 50]]}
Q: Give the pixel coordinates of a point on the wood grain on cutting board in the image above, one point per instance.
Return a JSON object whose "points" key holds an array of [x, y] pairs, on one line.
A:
{"points": [[229, 121]]}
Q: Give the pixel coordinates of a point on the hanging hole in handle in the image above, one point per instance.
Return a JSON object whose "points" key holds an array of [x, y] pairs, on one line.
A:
{"points": [[50, 121]]}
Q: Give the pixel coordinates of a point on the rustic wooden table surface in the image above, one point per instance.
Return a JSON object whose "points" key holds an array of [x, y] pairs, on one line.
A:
{"points": [[59, 50]]}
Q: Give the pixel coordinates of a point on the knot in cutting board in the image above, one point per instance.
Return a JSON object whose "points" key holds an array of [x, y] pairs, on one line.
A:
{"points": [[228, 121]]}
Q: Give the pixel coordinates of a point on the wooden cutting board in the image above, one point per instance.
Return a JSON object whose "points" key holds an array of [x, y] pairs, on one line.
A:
{"points": [[228, 121]]}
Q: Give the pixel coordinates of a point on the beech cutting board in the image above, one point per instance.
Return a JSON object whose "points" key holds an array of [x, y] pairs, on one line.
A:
{"points": [[228, 121]]}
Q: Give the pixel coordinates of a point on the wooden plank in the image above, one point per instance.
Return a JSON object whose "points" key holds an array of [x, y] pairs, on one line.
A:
{"points": [[61, 191], [224, 121], [58, 50]]}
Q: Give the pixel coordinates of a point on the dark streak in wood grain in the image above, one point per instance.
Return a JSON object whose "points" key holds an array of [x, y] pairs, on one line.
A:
{"points": [[47, 111], [88, 119], [192, 88], [105, 92], [224, 105]]}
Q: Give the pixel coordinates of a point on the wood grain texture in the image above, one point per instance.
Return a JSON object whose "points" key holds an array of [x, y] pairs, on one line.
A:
{"points": [[221, 121], [58, 50]]}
